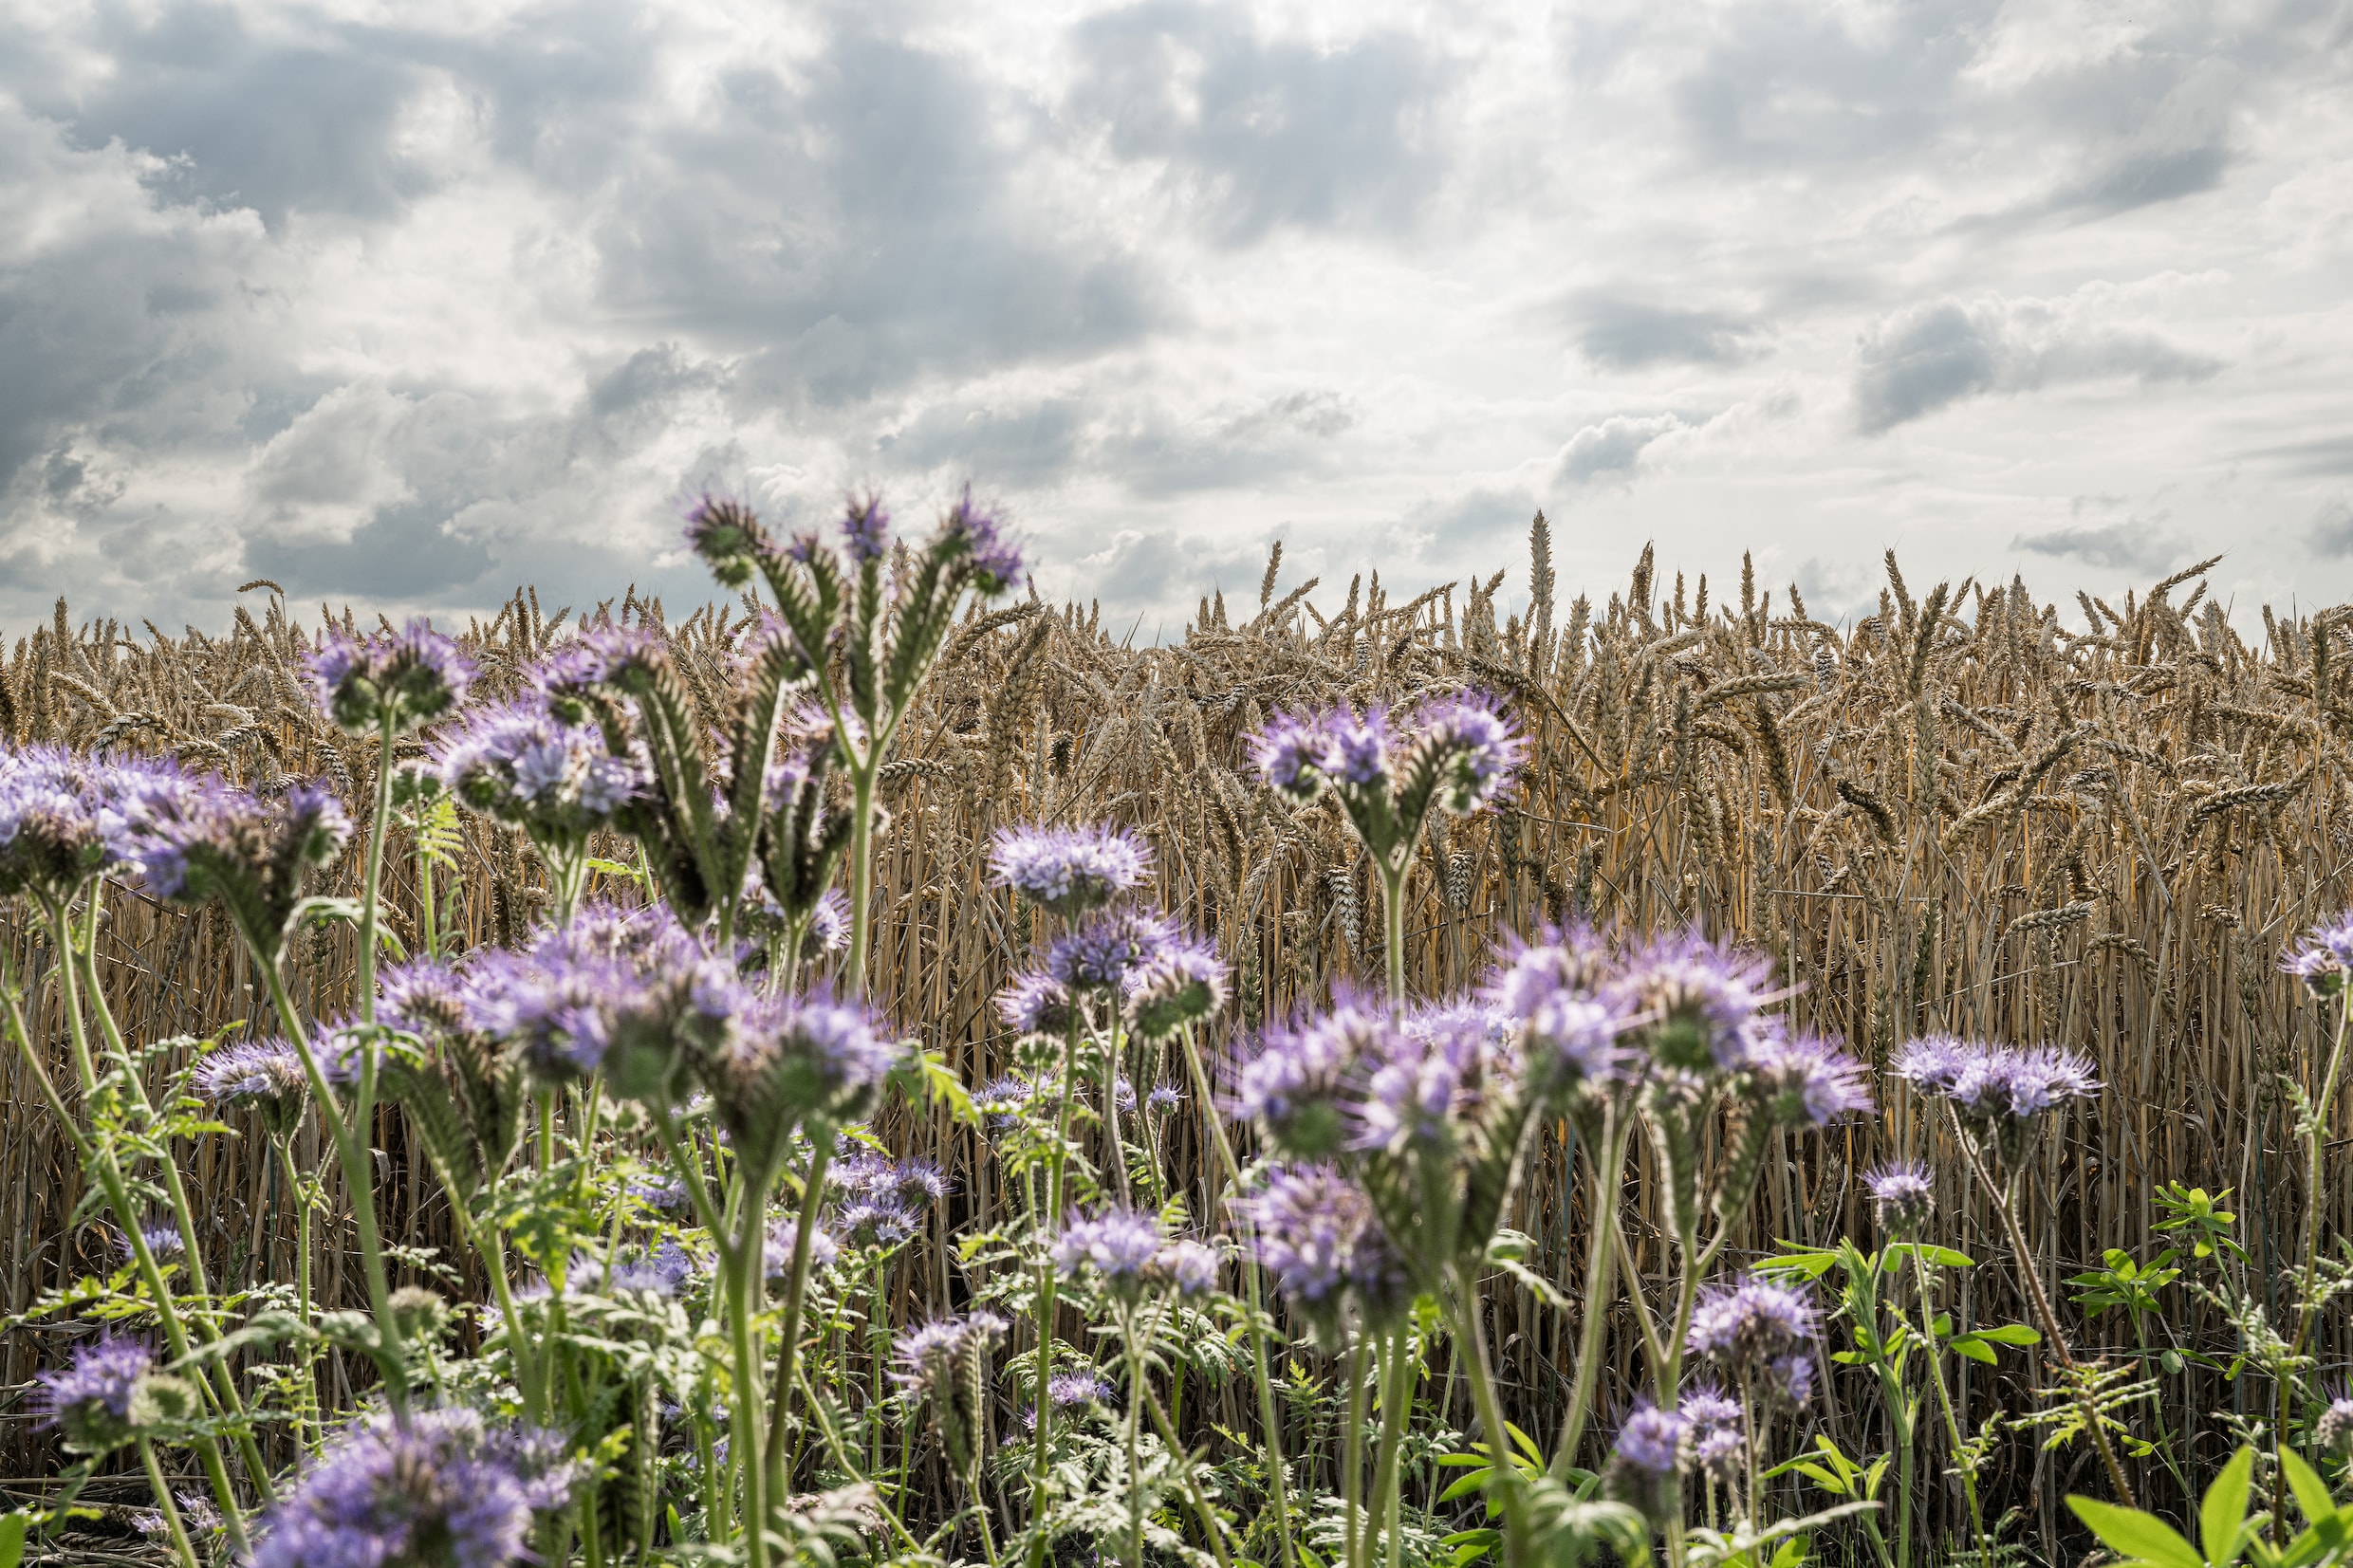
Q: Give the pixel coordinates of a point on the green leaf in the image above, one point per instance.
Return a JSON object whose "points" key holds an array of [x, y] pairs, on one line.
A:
{"points": [[2143, 1538], [1793, 1551], [2011, 1334], [1527, 1444], [13, 1539], [2312, 1494], [1972, 1346], [2223, 1515]]}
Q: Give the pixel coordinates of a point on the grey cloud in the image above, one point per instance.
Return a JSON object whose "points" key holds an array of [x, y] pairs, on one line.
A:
{"points": [[2143, 179], [1623, 333], [1468, 525], [1919, 360], [1155, 453], [2331, 529], [1266, 134], [2131, 544], [2329, 455], [1029, 444], [1612, 447]]}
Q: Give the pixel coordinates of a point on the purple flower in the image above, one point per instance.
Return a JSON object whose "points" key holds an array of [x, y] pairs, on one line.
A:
{"points": [[1651, 1441], [1360, 748], [728, 536], [164, 1242], [938, 1353], [1188, 1267], [92, 1400], [1471, 748], [1423, 1080], [2325, 956], [877, 1222], [1069, 870], [1036, 1004], [665, 1194], [1163, 1099], [813, 1058], [974, 539], [867, 528], [1117, 1246], [916, 1182], [265, 1074], [1702, 1003], [427, 998], [776, 1250], [660, 1272], [1557, 992], [1716, 1427], [520, 764], [64, 818], [2333, 1431], [1317, 1230], [437, 1488], [1186, 983], [2000, 1092], [251, 852], [1293, 754], [1004, 1099], [401, 680], [1904, 1197], [829, 922], [1751, 1328], [1801, 1079], [1297, 1085], [1110, 947]]}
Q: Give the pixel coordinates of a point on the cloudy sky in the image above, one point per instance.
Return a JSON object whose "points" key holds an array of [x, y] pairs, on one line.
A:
{"points": [[403, 303]]}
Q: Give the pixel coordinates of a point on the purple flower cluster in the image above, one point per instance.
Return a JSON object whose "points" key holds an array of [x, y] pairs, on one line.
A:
{"points": [[1999, 1092], [1184, 985], [880, 1201], [1801, 1079], [1557, 991], [396, 679], [658, 1272], [164, 1242], [776, 1249], [865, 528], [1036, 1004], [1470, 746], [64, 818], [1319, 1233], [1715, 1421], [1425, 1080], [1702, 1004], [976, 540], [92, 1400], [1650, 1441], [1300, 754], [520, 764], [628, 991], [1069, 871], [932, 1357], [2325, 956], [787, 1061], [1458, 753], [440, 1488], [1302, 1083], [1108, 948], [1759, 1333], [1117, 1246], [207, 840], [266, 1075], [1903, 1198], [1070, 1393]]}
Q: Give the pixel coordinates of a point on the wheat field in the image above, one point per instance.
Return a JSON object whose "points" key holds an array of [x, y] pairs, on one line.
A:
{"points": [[1963, 813]]}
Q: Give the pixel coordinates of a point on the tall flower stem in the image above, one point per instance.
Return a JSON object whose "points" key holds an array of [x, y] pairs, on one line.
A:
{"points": [[1608, 1157], [2315, 1130], [1352, 1459], [358, 1182], [306, 1384], [169, 1509], [1136, 1390], [742, 1267], [796, 1288], [1397, 1385], [2006, 1204], [220, 1379], [372, 885], [1944, 1400], [1471, 1346], [1270, 1413], [862, 866], [1393, 920], [1211, 1526], [101, 1162], [1055, 1157]]}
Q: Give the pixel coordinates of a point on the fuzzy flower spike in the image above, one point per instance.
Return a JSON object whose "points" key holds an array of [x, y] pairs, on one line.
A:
{"points": [[2000, 1093], [1069, 870], [393, 679]]}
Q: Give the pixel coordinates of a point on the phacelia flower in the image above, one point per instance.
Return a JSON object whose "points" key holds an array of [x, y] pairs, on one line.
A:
{"points": [[250, 852], [1162, 1099], [1903, 1198], [1294, 755], [976, 543], [1713, 1420], [1069, 870], [1036, 1004], [1701, 1002], [658, 1272], [1557, 992], [813, 1058], [1117, 1246], [1186, 983], [404, 678], [1751, 1328], [1072, 1392], [1423, 1080], [1471, 746], [1999, 1092], [726, 534], [1648, 1458], [522, 764], [1802, 1080], [1299, 1085], [102, 1398], [943, 1366], [875, 1220], [1110, 947], [2325, 957], [776, 1249], [867, 528], [1318, 1232], [915, 1182], [266, 1075], [164, 1242], [2332, 1431], [1187, 1267], [64, 817], [437, 1489]]}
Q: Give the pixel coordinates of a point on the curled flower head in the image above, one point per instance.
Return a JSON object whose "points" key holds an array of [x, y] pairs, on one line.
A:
{"points": [[2332, 1431], [1803, 1080], [1188, 1267], [163, 1242], [1647, 1461], [266, 1075], [1318, 1232], [1072, 1394], [1162, 1099], [813, 1058], [109, 1393], [727, 535], [1903, 1198], [1427, 1080], [865, 528], [2000, 1093], [1751, 1328], [252, 851], [440, 1488], [522, 764], [658, 1272], [1003, 1100], [1556, 992], [1117, 1247], [1702, 1003], [1185, 984], [1298, 1086], [1715, 1421], [776, 1249], [943, 1367], [2324, 958], [1069, 870], [973, 541], [912, 1182], [64, 818], [877, 1222], [392, 680], [425, 997], [1465, 740], [1037, 1003], [1110, 947], [1294, 755]]}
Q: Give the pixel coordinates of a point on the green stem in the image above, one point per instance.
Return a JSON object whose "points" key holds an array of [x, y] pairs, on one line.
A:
{"points": [[306, 1382], [1601, 1267], [796, 1287], [1211, 1526], [742, 1266], [379, 820], [1934, 1355], [1352, 1460], [165, 1505], [1055, 1157], [1393, 916], [1136, 1390], [1395, 1401], [2315, 1140], [862, 871], [1471, 1346], [1269, 1415]]}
